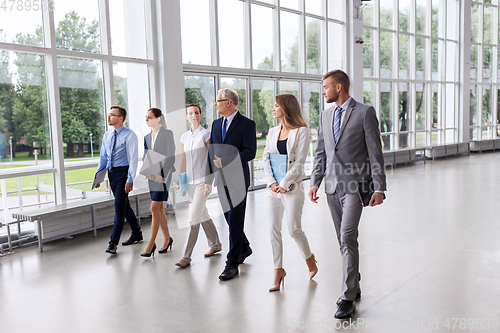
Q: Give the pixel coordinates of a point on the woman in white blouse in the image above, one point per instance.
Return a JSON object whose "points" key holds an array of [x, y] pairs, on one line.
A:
{"points": [[290, 137], [194, 160]]}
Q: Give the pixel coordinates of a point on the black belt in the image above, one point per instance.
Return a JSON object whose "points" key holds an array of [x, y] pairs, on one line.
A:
{"points": [[120, 168]]}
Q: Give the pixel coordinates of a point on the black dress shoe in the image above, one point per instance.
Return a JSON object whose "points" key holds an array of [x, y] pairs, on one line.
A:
{"points": [[358, 296], [133, 239], [229, 273], [244, 254], [346, 310], [111, 248]]}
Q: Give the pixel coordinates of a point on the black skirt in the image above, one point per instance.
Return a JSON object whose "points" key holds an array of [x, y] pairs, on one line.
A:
{"points": [[159, 195]]}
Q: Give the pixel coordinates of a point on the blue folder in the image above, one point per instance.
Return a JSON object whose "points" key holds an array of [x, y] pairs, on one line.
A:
{"points": [[279, 164], [182, 183]]}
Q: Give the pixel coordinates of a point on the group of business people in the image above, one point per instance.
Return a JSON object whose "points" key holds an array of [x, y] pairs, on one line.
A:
{"points": [[348, 157]]}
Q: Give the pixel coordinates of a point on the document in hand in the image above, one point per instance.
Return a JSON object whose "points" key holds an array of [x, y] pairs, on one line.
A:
{"points": [[151, 165], [99, 177], [279, 164], [182, 183]]}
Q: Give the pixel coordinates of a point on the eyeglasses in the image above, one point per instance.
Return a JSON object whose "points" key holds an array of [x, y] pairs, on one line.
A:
{"points": [[113, 115], [150, 118], [222, 100]]}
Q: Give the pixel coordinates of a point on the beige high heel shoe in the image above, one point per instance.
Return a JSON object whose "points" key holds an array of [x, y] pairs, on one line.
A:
{"points": [[311, 265], [279, 278]]}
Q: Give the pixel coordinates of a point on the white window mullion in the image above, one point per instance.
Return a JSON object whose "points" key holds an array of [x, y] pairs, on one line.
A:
{"points": [[302, 39], [109, 95], [247, 34], [214, 32], [395, 73], [152, 53], [495, 67], [277, 38], [54, 108]]}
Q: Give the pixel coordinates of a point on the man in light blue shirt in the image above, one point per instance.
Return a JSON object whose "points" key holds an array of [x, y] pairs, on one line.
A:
{"points": [[119, 154]]}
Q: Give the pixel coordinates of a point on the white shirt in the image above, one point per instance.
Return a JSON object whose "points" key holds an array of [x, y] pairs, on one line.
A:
{"points": [[153, 139], [195, 148]]}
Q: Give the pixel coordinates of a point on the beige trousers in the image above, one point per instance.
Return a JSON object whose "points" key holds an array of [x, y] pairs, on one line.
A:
{"points": [[290, 205], [198, 214]]}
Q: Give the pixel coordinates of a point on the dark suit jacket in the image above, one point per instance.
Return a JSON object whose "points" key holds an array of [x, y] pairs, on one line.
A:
{"points": [[240, 141], [165, 145]]}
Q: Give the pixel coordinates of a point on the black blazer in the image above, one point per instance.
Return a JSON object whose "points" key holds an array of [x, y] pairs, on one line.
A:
{"points": [[240, 140], [165, 145]]}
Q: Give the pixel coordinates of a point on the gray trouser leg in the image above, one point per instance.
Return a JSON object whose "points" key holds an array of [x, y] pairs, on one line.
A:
{"points": [[346, 211]]}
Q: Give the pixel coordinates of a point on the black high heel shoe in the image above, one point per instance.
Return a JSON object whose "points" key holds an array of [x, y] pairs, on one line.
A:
{"points": [[150, 253], [169, 245]]}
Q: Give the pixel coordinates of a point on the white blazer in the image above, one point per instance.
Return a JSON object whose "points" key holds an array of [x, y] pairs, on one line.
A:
{"points": [[297, 147]]}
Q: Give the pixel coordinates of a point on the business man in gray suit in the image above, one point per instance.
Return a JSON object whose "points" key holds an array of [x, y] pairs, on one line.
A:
{"points": [[349, 158]]}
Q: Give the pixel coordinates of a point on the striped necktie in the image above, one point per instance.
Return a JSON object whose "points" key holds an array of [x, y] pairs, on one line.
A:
{"points": [[336, 123], [113, 144]]}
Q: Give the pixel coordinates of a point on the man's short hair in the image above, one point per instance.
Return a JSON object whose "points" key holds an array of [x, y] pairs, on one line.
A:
{"points": [[230, 94], [122, 111], [339, 76]]}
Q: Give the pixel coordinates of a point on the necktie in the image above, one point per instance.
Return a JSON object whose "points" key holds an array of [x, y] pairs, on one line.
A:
{"points": [[224, 129], [113, 144], [336, 123]]}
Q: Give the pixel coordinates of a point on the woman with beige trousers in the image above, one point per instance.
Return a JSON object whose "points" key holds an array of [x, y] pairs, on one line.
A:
{"points": [[290, 137], [194, 161]]}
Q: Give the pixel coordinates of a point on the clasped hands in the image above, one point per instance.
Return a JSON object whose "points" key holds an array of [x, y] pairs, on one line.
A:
{"points": [[275, 187]]}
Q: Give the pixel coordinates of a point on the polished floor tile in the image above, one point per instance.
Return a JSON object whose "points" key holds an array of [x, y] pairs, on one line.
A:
{"points": [[430, 262]]}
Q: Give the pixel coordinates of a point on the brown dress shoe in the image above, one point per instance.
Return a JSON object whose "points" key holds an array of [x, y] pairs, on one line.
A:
{"points": [[210, 252], [182, 263]]}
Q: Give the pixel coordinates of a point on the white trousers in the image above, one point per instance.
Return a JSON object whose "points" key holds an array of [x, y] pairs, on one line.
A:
{"points": [[290, 206], [198, 214]]}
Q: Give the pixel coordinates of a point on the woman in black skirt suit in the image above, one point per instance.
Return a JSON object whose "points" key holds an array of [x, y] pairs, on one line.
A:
{"points": [[160, 140]]}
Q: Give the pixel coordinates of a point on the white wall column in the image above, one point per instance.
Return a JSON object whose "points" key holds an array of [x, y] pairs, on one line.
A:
{"points": [[170, 70], [171, 93], [354, 61]]}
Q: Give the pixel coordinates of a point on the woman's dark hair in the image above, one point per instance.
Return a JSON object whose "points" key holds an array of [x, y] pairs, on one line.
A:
{"points": [[158, 114], [193, 105]]}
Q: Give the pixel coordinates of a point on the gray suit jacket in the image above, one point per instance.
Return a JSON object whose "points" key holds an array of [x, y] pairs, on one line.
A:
{"points": [[165, 145], [356, 157]]}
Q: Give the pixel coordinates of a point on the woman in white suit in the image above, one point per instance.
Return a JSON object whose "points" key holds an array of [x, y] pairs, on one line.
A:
{"points": [[290, 137]]}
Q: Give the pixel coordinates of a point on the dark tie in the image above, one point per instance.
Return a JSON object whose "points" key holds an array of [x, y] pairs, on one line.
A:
{"points": [[336, 123], [224, 129], [113, 144]]}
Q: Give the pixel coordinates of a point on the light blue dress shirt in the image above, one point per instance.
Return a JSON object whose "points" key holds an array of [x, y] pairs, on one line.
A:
{"points": [[229, 120], [125, 153]]}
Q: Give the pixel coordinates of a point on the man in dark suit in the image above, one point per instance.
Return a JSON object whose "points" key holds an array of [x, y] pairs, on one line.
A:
{"points": [[348, 156], [232, 145]]}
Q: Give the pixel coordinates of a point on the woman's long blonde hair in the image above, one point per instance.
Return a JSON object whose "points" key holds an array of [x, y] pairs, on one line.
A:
{"points": [[293, 117], [158, 114]]}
